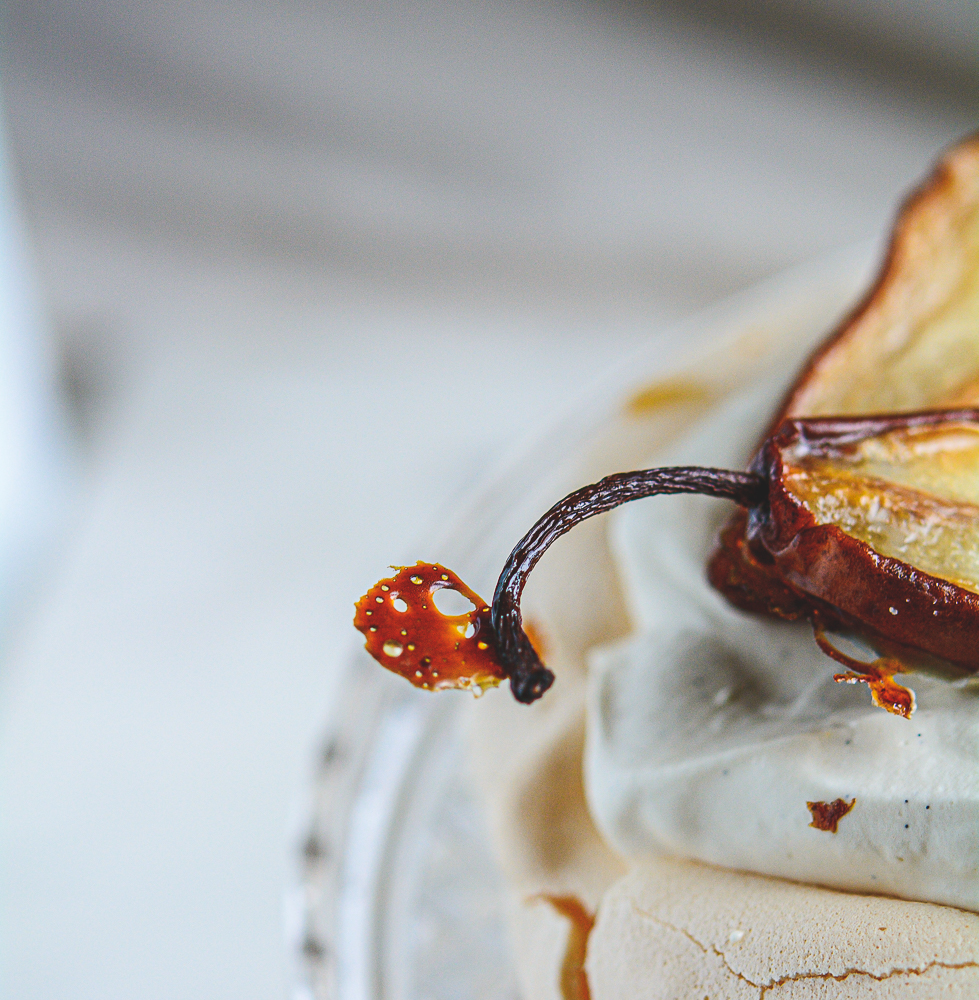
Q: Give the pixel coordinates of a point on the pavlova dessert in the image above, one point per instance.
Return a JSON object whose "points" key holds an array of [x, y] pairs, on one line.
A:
{"points": [[758, 773]]}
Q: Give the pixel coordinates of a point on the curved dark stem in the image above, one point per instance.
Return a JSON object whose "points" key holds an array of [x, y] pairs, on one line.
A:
{"points": [[529, 678]]}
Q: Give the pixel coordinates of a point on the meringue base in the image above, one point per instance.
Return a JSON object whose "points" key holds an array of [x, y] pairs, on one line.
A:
{"points": [[675, 929]]}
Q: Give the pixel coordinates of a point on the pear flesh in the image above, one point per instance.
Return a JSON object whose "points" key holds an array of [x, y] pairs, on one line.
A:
{"points": [[913, 344], [912, 494]]}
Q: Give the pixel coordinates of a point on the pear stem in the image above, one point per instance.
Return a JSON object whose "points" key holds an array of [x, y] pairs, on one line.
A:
{"points": [[529, 677]]}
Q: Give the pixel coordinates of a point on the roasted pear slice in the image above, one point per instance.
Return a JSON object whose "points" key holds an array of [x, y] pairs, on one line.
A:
{"points": [[913, 343]]}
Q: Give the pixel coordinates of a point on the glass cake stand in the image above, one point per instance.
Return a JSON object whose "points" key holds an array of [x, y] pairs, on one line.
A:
{"points": [[398, 896]]}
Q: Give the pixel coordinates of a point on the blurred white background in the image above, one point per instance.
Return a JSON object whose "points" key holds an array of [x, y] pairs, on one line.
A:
{"points": [[308, 268]]}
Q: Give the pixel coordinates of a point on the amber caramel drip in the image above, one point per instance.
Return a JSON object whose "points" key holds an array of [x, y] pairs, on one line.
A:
{"points": [[877, 675], [664, 394], [827, 815], [574, 979], [535, 633], [964, 394], [407, 633]]}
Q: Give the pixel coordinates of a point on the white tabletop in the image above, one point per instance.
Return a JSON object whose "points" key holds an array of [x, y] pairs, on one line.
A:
{"points": [[315, 273]]}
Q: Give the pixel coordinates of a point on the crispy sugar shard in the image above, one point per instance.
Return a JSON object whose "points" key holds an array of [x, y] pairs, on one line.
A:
{"points": [[827, 815], [407, 633]]}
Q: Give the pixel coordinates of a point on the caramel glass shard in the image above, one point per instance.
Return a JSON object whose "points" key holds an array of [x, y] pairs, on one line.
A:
{"points": [[827, 815], [407, 633], [878, 675]]}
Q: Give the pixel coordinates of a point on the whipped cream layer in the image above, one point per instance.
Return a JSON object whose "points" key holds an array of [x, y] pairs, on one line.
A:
{"points": [[710, 729]]}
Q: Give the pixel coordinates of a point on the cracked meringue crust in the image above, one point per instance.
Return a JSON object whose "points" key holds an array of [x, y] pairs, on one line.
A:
{"points": [[681, 929]]}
